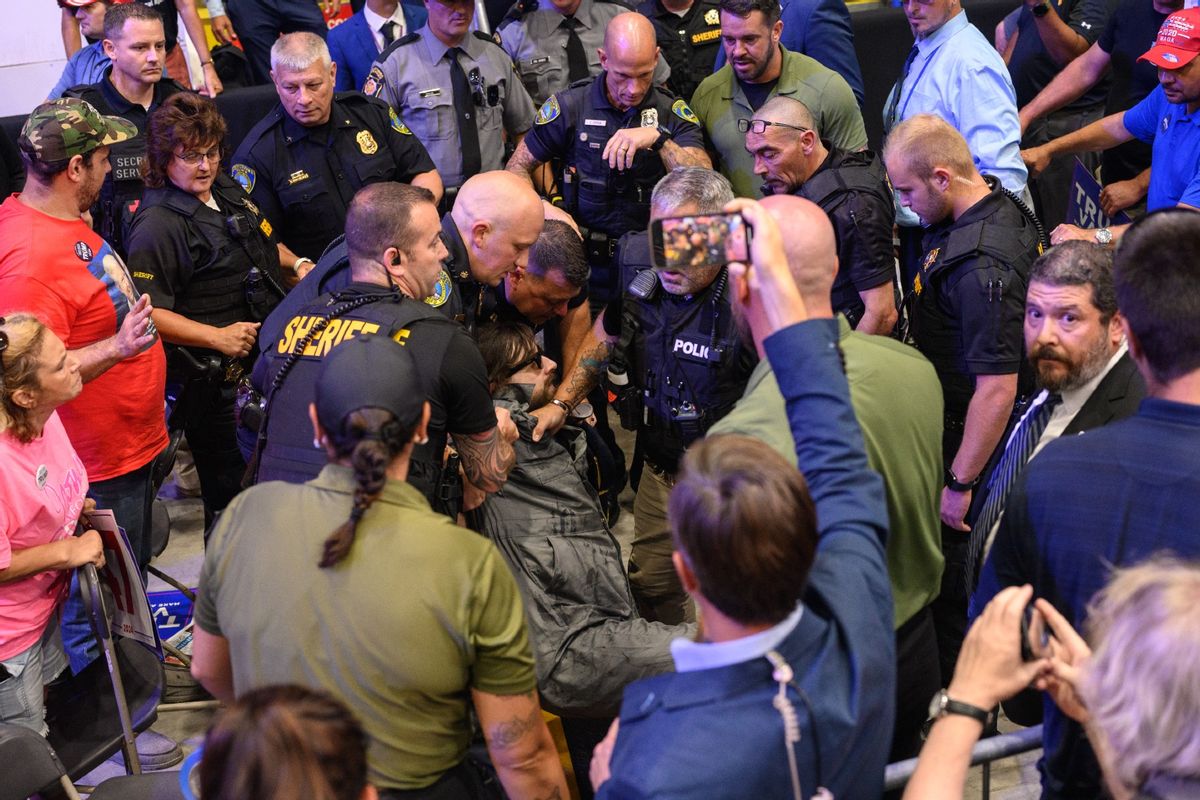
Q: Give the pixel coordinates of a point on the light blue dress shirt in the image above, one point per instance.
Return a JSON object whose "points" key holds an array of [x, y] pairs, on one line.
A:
{"points": [[691, 656], [960, 77], [87, 65]]}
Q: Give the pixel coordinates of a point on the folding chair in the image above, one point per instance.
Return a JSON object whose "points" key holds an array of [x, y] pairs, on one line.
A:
{"points": [[30, 765], [99, 711]]}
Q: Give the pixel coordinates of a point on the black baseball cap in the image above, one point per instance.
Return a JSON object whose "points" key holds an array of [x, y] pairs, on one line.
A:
{"points": [[369, 372]]}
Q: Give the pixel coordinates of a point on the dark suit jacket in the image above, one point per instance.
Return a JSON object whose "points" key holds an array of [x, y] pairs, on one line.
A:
{"points": [[1115, 397], [352, 46]]}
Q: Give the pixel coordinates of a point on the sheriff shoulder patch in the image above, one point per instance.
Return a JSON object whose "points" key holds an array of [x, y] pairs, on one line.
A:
{"points": [[548, 112], [397, 125], [684, 112], [243, 175]]}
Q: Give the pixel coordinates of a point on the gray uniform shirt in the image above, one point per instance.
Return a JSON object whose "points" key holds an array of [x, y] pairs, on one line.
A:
{"points": [[413, 76], [537, 43]]}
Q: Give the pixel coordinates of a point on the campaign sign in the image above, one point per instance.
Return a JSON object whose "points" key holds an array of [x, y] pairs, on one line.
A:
{"points": [[172, 612], [1084, 208], [130, 612]]}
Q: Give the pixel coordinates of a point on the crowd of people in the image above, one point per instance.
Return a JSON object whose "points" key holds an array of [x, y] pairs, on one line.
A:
{"points": [[900, 430]]}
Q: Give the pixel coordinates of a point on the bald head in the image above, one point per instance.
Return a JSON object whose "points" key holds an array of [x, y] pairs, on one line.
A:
{"points": [[499, 216], [811, 249], [628, 58], [789, 111], [630, 33]]}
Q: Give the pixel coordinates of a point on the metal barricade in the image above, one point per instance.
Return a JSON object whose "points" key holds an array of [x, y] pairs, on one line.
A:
{"points": [[984, 752]]}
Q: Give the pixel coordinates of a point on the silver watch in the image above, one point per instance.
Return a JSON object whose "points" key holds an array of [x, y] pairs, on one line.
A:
{"points": [[1104, 237]]}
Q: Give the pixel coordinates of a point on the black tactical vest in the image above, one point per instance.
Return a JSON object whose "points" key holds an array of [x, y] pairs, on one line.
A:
{"points": [[288, 453], [684, 353]]}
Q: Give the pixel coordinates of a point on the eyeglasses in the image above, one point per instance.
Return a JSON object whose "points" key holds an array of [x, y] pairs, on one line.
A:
{"points": [[193, 157], [760, 126], [534, 360]]}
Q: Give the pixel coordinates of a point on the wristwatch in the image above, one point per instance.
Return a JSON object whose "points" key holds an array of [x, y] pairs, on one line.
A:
{"points": [[1042, 9], [663, 136], [1104, 237], [955, 485], [941, 705]]}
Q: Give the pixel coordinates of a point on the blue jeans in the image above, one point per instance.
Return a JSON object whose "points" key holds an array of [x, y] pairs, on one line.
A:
{"points": [[129, 496]]}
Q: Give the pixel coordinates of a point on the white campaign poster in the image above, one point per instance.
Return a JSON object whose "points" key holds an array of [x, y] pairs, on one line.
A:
{"points": [[131, 610]]}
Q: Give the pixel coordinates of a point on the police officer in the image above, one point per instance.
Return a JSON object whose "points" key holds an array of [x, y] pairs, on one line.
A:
{"points": [[395, 254], [303, 162], [556, 42], [677, 366], [132, 88], [851, 188], [457, 90], [966, 308], [202, 251], [689, 36], [617, 135]]}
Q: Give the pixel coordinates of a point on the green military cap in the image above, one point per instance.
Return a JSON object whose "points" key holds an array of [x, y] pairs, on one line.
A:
{"points": [[57, 130]]}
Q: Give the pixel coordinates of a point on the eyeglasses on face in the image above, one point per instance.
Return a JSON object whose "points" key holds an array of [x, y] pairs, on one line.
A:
{"points": [[760, 126], [534, 360], [193, 157]]}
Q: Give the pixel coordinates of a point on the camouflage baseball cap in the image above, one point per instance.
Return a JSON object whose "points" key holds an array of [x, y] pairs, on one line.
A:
{"points": [[57, 130]]}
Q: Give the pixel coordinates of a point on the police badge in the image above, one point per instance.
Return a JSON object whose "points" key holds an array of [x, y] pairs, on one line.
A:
{"points": [[650, 118], [367, 143]]}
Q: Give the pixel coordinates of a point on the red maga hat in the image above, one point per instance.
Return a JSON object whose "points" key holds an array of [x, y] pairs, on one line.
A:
{"points": [[1178, 41]]}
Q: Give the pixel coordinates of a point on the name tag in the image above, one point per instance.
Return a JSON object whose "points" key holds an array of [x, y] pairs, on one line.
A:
{"points": [[429, 92], [596, 123]]}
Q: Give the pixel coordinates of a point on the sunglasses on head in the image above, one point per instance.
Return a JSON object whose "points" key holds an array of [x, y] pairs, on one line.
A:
{"points": [[534, 360]]}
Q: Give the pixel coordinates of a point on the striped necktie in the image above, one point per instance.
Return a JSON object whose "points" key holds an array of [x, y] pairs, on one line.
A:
{"points": [[1020, 448]]}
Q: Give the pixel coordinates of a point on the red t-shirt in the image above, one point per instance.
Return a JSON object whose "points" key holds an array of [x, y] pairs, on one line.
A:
{"points": [[62, 272]]}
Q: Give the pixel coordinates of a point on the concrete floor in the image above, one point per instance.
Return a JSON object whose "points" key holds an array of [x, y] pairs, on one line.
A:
{"points": [[1011, 779]]}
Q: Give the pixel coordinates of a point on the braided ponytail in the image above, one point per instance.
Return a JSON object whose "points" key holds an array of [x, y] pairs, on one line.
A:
{"points": [[370, 439]]}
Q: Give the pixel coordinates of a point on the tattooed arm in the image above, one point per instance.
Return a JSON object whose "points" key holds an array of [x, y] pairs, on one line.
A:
{"points": [[522, 161], [487, 457], [520, 745], [675, 156], [586, 350]]}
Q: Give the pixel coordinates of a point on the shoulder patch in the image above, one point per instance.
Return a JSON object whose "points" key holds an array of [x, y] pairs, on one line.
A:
{"points": [[441, 291], [397, 125], [373, 85], [549, 111], [487, 37], [244, 176], [712, 17], [684, 111]]}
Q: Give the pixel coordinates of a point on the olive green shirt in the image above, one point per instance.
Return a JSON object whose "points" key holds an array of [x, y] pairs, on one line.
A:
{"points": [[420, 612], [719, 103], [898, 401]]}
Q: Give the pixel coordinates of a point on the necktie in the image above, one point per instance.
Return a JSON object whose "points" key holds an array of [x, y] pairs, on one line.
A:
{"points": [[464, 109], [577, 63], [388, 29], [1020, 447], [889, 115]]}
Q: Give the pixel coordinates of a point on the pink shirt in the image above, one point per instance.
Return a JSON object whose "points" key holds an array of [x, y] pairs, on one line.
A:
{"points": [[42, 487]]}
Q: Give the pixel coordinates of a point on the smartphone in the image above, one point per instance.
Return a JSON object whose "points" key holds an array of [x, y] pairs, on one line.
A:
{"points": [[1035, 635], [702, 240]]}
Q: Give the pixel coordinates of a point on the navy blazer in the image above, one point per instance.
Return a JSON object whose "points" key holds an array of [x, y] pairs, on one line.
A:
{"points": [[714, 733], [352, 46], [821, 30]]}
